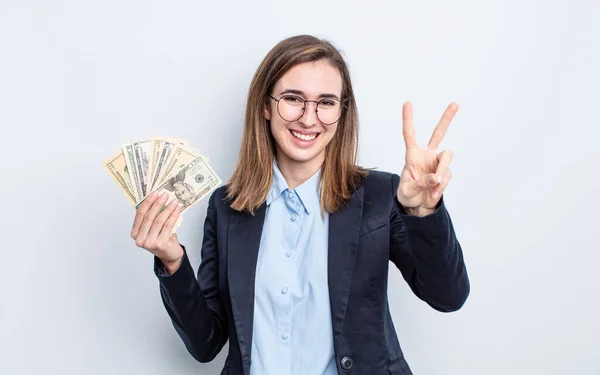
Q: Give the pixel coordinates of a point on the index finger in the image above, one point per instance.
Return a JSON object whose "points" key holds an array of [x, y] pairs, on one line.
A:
{"points": [[408, 126], [440, 130], [141, 212]]}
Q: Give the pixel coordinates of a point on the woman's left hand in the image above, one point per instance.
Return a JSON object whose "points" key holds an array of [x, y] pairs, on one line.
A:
{"points": [[426, 173]]}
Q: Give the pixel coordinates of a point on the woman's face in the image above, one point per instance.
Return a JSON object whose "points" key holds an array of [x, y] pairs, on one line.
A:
{"points": [[304, 140]]}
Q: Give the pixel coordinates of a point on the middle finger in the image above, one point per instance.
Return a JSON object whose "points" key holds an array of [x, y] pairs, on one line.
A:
{"points": [[161, 219], [150, 215], [442, 126]]}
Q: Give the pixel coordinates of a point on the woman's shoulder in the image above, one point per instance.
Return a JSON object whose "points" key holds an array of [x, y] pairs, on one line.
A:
{"points": [[219, 196], [220, 199]]}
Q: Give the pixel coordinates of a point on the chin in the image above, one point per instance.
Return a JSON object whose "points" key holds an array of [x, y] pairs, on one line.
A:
{"points": [[301, 156]]}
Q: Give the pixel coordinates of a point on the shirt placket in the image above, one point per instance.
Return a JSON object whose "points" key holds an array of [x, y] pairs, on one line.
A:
{"points": [[292, 230]]}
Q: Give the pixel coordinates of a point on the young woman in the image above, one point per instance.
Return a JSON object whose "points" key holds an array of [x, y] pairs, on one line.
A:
{"points": [[296, 246]]}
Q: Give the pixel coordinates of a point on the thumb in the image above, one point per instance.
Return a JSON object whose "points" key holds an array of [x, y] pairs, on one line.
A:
{"points": [[422, 183]]}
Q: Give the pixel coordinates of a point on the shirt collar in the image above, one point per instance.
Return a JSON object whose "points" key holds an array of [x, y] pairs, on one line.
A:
{"points": [[308, 192]]}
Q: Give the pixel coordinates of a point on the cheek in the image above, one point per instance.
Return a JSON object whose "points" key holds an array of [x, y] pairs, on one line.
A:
{"points": [[330, 134], [278, 127]]}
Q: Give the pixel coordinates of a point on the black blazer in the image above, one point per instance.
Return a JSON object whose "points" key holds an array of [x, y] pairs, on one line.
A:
{"points": [[363, 237]]}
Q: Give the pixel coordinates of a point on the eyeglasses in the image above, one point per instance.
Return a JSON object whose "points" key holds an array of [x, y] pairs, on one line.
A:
{"points": [[291, 108]]}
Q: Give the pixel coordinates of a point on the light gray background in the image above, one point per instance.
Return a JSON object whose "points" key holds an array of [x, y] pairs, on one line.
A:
{"points": [[78, 78]]}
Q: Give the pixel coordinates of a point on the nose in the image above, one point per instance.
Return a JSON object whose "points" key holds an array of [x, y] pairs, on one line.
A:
{"points": [[309, 117]]}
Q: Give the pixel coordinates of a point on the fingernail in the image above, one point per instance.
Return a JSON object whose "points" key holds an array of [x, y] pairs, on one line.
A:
{"points": [[163, 195], [439, 179], [435, 194], [174, 202]]}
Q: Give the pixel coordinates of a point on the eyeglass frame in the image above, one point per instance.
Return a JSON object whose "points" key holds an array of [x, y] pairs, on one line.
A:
{"points": [[343, 106]]}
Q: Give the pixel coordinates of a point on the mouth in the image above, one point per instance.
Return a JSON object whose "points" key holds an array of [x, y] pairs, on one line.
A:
{"points": [[303, 136]]}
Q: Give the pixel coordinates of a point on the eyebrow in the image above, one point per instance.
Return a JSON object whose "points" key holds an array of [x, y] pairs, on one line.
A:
{"points": [[300, 92]]}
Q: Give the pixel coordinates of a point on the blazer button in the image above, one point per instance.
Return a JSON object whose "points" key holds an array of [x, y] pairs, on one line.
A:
{"points": [[346, 363]]}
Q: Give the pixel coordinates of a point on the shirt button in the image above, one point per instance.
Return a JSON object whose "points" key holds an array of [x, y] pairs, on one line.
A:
{"points": [[290, 195], [284, 336], [294, 218], [284, 290], [288, 254]]}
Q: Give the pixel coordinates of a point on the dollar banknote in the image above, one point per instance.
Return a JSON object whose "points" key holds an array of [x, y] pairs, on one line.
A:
{"points": [[161, 151], [190, 184], [165, 165], [137, 156], [180, 157], [133, 175], [141, 157], [117, 169]]}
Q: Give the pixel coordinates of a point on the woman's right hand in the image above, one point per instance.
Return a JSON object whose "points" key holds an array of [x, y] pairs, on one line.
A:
{"points": [[152, 230]]}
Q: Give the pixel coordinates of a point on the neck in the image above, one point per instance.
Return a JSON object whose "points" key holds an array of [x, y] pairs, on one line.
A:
{"points": [[295, 172]]}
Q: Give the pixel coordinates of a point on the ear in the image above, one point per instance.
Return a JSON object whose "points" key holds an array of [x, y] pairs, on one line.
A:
{"points": [[267, 111]]}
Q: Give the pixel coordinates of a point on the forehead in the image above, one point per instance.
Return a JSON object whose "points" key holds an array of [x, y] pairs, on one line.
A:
{"points": [[313, 78]]}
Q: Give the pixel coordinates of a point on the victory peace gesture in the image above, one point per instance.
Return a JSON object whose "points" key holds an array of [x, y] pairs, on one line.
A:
{"points": [[426, 173]]}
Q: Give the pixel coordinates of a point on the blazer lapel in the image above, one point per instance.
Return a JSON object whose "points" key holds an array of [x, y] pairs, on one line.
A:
{"points": [[243, 243], [344, 226]]}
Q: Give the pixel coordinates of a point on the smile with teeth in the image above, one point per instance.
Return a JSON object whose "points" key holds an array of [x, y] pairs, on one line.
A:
{"points": [[304, 137]]}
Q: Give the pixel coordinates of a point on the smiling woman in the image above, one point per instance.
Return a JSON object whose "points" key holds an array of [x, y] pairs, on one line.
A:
{"points": [[297, 245]]}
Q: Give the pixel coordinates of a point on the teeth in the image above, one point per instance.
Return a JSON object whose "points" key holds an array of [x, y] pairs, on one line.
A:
{"points": [[304, 137]]}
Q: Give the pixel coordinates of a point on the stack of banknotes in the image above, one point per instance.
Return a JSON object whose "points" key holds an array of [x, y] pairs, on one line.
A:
{"points": [[165, 165]]}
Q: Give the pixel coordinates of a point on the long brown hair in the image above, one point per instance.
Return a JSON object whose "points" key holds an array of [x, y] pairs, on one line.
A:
{"points": [[340, 176]]}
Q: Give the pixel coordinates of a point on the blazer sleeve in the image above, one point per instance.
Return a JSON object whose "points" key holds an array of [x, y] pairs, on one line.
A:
{"points": [[194, 305], [429, 256]]}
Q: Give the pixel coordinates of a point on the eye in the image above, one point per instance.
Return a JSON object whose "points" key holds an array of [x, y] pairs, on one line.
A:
{"points": [[327, 103], [293, 99]]}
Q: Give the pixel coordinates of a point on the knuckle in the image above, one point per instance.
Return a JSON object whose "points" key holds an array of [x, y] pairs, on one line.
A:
{"points": [[160, 220], [147, 203], [447, 154], [139, 243]]}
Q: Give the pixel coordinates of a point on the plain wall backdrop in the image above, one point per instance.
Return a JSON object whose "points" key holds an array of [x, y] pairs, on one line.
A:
{"points": [[79, 78]]}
